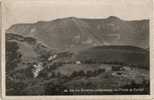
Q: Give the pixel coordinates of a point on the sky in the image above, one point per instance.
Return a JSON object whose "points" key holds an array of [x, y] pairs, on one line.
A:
{"points": [[28, 11]]}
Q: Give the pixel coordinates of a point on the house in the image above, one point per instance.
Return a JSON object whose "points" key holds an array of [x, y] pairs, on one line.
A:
{"points": [[52, 57], [36, 69], [78, 62]]}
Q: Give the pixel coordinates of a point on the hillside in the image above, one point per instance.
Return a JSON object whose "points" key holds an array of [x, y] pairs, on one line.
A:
{"points": [[72, 32], [54, 57], [96, 70], [115, 54]]}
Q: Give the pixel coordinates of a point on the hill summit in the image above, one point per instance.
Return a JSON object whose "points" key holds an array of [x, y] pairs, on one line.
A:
{"points": [[73, 32]]}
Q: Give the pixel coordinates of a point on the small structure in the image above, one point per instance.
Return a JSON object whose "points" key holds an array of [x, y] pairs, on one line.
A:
{"points": [[36, 69], [126, 68], [78, 62], [52, 57], [106, 67]]}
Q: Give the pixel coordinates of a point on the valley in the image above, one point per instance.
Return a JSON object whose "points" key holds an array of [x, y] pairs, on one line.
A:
{"points": [[77, 56]]}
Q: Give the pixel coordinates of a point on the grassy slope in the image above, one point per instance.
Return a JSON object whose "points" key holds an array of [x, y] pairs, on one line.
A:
{"points": [[113, 54]]}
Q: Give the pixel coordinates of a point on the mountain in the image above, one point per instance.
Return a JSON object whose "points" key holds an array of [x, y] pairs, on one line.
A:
{"points": [[50, 57], [74, 33]]}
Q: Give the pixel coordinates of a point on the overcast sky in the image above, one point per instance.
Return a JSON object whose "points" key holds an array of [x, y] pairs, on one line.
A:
{"points": [[29, 11]]}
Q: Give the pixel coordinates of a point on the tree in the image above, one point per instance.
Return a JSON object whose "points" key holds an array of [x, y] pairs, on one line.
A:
{"points": [[13, 56], [89, 73], [54, 89], [74, 74], [81, 73]]}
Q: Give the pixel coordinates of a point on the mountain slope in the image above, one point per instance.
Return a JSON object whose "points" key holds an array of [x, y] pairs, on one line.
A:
{"points": [[115, 55], [74, 32]]}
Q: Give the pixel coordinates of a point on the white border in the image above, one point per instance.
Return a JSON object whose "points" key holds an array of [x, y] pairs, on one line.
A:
{"points": [[81, 97]]}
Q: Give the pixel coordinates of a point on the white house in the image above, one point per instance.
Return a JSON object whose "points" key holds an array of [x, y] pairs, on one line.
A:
{"points": [[52, 57], [78, 62], [36, 69]]}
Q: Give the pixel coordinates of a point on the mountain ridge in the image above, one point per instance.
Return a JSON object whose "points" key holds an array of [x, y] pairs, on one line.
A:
{"points": [[71, 32]]}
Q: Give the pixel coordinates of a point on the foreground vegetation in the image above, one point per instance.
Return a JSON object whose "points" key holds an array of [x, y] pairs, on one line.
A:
{"points": [[65, 74]]}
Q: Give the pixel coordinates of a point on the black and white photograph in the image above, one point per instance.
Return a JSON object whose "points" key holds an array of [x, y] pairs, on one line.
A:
{"points": [[70, 48]]}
